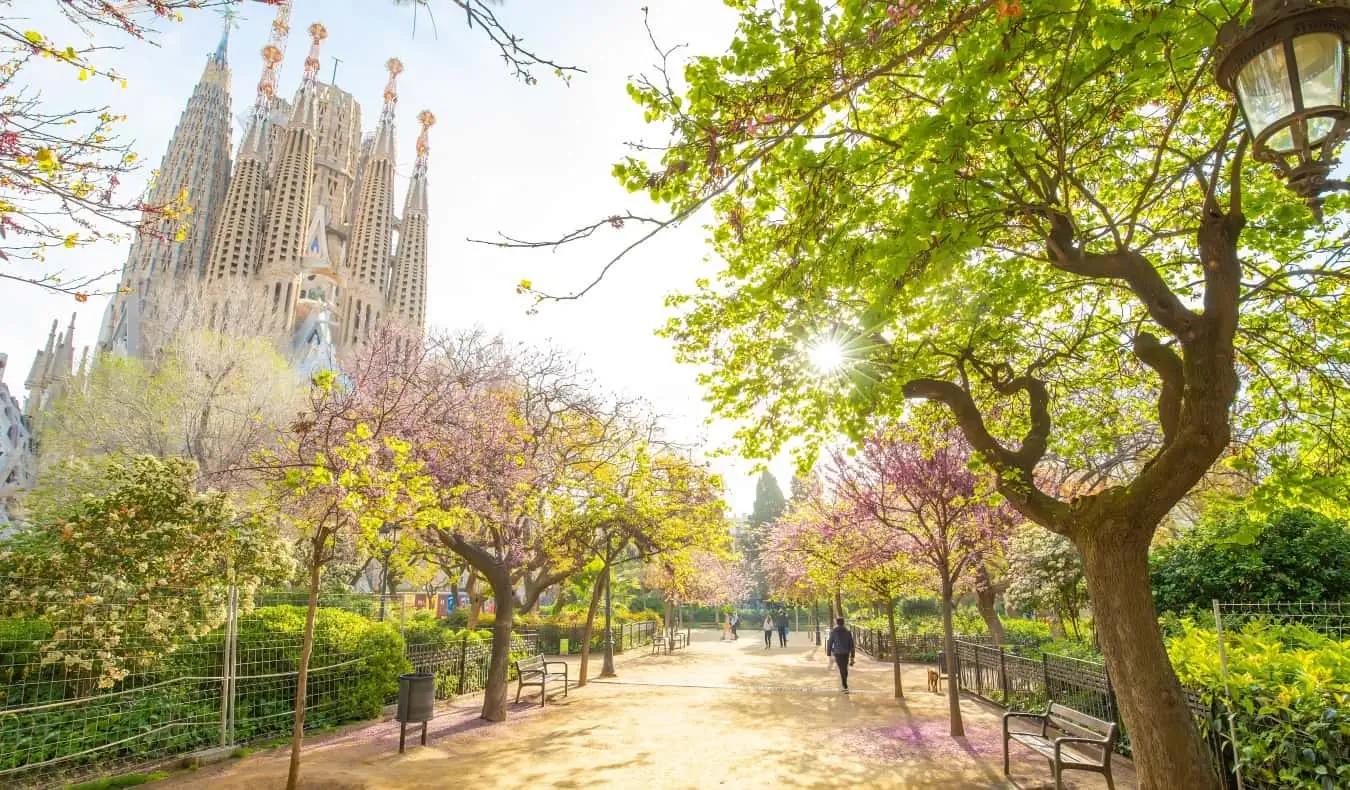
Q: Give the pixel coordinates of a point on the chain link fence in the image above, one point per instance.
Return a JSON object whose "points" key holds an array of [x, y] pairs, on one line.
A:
{"points": [[95, 687]]}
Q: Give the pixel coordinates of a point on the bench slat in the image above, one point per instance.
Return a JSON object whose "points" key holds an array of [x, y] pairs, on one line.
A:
{"points": [[1058, 711], [1069, 755]]}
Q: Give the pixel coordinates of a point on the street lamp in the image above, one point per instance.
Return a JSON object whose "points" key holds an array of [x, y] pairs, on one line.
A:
{"points": [[384, 571], [607, 668], [1287, 68]]}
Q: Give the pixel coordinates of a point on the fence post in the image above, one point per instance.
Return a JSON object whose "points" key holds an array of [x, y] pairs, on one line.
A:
{"points": [[1045, 675], [463, 651], [227, 665], [979, 676], [1003, 674]]}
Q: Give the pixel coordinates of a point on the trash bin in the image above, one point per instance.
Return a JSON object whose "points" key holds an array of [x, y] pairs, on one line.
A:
{"points": [[416, 703]]}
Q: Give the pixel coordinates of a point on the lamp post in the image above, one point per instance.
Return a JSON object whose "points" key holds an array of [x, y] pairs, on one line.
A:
{"points": [[607, 668], [1287, 68], [384, 570]]}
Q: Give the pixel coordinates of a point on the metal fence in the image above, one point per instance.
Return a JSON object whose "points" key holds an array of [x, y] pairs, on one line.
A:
{"points": [[94, 687], [999, 675], [921, 647], [626, 637]]}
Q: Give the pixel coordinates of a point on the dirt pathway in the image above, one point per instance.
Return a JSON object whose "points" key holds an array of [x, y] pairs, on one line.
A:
{"points": [[718, 714]]}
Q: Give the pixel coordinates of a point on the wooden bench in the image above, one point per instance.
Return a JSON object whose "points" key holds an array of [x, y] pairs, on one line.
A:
{"points": [[1079, 736], [677, 640], [534, 671]]}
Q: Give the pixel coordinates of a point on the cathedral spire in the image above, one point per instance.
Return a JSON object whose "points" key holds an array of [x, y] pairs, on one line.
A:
{"points": [[195, 167], [305, 111], [291, 200], [384, 134], [408, 288], [367, 266]]}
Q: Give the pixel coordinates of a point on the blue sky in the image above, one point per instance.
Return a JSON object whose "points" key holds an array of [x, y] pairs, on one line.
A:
{"points": [[529, 161]]}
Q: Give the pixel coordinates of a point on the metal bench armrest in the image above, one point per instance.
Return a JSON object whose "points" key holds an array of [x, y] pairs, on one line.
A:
{"points": [[1010, 715], [1102, 742], [562, 664]]}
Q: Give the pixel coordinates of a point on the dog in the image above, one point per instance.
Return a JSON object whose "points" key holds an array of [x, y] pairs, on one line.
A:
{"points": [[933, 680]]}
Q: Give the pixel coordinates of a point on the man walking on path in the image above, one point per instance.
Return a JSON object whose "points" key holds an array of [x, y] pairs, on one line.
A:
{"points": [[780, 621], [840, 646], [768, 630], [735, 622]]}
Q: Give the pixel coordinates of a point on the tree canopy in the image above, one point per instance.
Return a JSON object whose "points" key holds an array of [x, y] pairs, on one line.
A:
{"points": [[1042, 216], [1292, 555]]}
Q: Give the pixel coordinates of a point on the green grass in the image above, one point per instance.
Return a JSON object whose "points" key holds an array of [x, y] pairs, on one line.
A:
{"points": [[113, 782]]}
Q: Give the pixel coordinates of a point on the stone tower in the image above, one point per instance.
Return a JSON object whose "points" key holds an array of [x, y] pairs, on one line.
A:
{"points": [[195, 171], [408, 288], [289, 205], [368, 250]]}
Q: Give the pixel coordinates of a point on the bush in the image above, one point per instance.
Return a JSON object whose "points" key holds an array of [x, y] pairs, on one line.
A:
{"points": [[1026, 631], [1290, 699], [1294, 555], [270, 642], [424, 628]]}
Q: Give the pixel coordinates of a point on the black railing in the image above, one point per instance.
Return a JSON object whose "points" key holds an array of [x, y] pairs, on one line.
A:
{"points": [[921, 647], [626, 637], [1016, 682]]}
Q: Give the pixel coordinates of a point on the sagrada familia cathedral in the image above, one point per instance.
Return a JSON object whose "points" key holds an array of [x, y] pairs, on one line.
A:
{"points": [[298, 231], [296, 238]]}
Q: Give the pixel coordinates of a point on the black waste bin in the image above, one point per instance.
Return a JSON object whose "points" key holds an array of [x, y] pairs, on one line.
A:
{"points": [[416, 703]]}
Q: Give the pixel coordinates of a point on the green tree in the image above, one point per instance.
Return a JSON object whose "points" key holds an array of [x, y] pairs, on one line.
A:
{"points": [[641, 503], [769, 500], [213, 398], [131, 560], [1292, 555], [1040, 215], [1046, 574], [769, 505]]}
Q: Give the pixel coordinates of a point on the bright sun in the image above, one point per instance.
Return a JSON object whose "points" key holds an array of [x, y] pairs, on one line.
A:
{"points": [[827, 356]]}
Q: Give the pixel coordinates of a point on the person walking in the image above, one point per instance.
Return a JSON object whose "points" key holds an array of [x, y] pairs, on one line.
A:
{"points": [[768, 631], [726, 628], [780, 621], [735, 623], [840, 647]]}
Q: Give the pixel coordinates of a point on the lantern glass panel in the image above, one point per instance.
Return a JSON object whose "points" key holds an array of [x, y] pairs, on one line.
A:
{"points": [[1282, 141], [1264, 90], [1321, 70], [1318, 129]]}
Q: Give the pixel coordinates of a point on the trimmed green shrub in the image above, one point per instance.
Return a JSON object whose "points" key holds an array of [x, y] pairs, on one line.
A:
{"points": [[1290, 699], [1294, 555]]}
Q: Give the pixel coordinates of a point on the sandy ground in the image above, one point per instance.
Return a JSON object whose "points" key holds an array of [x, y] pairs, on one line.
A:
{"points": [[717, 714]]}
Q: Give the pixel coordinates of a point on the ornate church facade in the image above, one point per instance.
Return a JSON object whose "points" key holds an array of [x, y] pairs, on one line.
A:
{"points": [[294, 238]]}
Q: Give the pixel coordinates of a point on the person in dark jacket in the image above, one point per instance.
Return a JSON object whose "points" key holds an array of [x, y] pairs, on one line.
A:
{"points": [[780, 622], [840, 647]]}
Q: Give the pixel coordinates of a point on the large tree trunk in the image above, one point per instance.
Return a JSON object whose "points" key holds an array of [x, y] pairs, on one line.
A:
{"points": [[590, 624], [838, 604], [476, 600], [1168, 752], [307, 650], [985, 595], [494, 691], [949, 645], [895, 651]]}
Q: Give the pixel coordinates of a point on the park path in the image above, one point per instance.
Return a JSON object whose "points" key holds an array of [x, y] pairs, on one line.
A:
{"points": [[717, 714]]}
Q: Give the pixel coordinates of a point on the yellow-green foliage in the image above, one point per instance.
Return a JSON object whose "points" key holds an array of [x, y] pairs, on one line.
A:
{"points": [[1289, 688]]}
